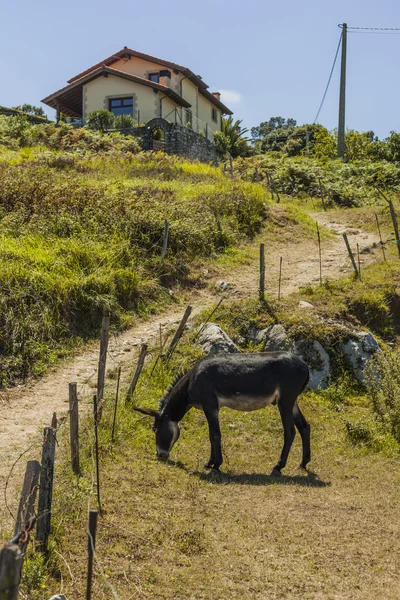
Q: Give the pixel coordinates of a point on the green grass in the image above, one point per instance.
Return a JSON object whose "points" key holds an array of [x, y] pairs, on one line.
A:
{"points": [[82, 233], [164, 524]]}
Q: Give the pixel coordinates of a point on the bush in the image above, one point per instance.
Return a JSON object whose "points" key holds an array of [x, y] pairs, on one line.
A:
{"points": [[100, 120], [124, 122], [384, 390]]}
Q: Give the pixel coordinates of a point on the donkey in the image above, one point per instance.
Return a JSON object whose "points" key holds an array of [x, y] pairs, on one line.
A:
{"points": [[240, 381]]}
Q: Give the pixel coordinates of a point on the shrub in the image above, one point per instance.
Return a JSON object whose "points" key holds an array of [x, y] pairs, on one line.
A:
{"points": [[124, 122], [100, 120], [384, 390]]}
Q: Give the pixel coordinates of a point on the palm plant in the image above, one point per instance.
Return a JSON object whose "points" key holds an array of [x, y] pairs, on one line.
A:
{"points": [[235, 133]]}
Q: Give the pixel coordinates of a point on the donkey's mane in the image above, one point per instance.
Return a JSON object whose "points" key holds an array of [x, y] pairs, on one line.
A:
{"points": [[172, 385]]}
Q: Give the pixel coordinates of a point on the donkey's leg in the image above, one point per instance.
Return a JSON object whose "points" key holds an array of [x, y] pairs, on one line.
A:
{"points": [[304, 430], [215, 437], [289, 431]]}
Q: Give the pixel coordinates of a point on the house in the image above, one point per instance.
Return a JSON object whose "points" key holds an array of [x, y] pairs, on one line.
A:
{"points": [[145, 87]]}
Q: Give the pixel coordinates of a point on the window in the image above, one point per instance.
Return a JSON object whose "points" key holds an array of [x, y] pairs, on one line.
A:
{"points": [[121, 106], [155, 77], [189, 118], [214, 115]]}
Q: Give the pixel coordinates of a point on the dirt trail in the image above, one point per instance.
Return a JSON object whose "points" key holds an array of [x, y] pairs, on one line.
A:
{"points": [[26, 409]]}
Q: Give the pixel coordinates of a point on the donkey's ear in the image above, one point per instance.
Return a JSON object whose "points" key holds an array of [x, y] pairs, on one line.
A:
{"points": [[147, 411]]}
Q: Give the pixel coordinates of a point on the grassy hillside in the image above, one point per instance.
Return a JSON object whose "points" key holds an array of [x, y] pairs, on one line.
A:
{"points": [[82, 232]]}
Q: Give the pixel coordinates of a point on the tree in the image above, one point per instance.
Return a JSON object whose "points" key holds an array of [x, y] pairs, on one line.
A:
{"points": [[273, 124], [100, 120], [30, 109]]}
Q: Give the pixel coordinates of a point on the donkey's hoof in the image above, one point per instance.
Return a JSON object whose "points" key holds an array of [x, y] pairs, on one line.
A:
{"points": [[275, 473]]}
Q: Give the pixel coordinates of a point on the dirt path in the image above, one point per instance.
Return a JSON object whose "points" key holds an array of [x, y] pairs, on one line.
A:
{"points": [[26, 409]]}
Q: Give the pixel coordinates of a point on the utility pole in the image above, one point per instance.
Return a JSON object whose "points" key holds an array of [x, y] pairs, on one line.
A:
{"points": [[342, 98]]}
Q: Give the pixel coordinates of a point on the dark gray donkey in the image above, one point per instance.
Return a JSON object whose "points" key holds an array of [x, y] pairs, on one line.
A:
{"points": [[242, 382]]}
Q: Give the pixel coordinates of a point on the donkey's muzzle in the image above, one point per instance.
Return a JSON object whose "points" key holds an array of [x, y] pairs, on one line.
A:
{"points": [[162, 454]]}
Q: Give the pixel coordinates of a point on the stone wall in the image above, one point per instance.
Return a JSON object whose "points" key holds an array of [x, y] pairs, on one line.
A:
{"points": [[177, 139]]}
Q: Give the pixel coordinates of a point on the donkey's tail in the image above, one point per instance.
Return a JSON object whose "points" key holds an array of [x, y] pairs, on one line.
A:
{"points": [[306, 382]]}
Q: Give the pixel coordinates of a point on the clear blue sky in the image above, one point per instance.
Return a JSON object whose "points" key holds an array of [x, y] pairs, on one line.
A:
{"points": [[273, 58]]}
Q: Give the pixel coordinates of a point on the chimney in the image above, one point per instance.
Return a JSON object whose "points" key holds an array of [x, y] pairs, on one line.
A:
{"points": [[217, 95], [165, 78]]}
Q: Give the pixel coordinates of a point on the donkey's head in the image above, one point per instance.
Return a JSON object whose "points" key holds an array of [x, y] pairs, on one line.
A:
{"points": [[167, 431]]}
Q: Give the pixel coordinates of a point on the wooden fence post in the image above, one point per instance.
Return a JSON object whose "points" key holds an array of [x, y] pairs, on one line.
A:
{"points": [[320, 255], [96, 448], [262, 273], [208, 319], [394, 219], [54, 421], [138, 370], [101, 374], [74, 427], [116, 404], [380, 237], [11, 559], [46, 488], [280, 278], [178, 333], [275, 189], [165, 241], [91, 548], [346, 241], [358, 260], [26, 508], [322, 195]]}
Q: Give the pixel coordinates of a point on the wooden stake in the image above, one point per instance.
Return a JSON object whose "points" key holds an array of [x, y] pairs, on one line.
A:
{"points": [[11, 559], [105, 328], [46, 488], [380, 237], [178, 333], [262, 274], [74, 427], [358, 258], [96, 439], [346, 241], [208, 319], [275, 189], [322, 195], [165, 241], [26, 508], [138, 370], [54, 421], [320, 255], [280, 278], [91, 549], [394, 219], [116, 404]]}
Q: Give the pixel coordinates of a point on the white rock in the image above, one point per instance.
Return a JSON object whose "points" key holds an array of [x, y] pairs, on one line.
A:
{"points": [[358, 351], [318, 362], [305, 304], [274, 338], [214, 340]]}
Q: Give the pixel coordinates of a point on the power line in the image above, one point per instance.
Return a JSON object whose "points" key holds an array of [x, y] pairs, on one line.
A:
{"points": [[372, 28], [329, 80]]}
